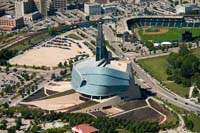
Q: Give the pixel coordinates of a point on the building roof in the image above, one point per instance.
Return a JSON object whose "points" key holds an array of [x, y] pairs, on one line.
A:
{"points": [[84, 128]]}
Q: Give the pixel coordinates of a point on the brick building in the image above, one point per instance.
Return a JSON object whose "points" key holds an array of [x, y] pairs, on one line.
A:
{"points": [[8, 23]]}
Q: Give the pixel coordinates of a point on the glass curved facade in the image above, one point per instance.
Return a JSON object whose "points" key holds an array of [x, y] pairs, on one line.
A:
{"points": [[98, 81]]}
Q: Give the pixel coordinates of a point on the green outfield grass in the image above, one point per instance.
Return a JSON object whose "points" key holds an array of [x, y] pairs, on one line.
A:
{"points": [[172, 34]]}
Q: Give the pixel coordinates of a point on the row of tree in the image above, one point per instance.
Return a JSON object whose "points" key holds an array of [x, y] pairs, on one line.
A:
{"points": [[104, 124], [184, 67]]}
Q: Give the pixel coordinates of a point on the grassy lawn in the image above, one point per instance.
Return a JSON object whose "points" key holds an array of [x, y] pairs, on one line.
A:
{"points": [[74, 36], [59, 94], [196, 121], [157, 68], [87, 104], [188, 115], [196, 52], [172, 34], [122, 131], [25, 44], [178, 88]]}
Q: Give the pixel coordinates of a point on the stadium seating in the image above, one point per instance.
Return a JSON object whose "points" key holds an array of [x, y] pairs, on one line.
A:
{"points": [[165, 22]]}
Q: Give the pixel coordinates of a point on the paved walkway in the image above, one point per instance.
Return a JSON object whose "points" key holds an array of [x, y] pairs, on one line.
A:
{"points": [[191, 91]]}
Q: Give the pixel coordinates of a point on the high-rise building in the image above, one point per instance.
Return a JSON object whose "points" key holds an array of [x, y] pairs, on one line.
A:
{"points": [[42, 6], [23, 7], [92, 9], [59, 5]]}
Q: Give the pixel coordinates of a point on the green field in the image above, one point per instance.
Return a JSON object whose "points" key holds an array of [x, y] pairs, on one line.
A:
{"points": [[196, 121], [172, 34], [74, 36], [157, 67], [28, 43], [189, 116]]}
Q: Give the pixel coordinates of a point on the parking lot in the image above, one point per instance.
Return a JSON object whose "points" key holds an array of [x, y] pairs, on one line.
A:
{"points": [[51, 53]]}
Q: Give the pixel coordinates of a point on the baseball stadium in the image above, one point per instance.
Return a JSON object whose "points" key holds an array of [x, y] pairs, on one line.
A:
{"points": [[162, 28]]}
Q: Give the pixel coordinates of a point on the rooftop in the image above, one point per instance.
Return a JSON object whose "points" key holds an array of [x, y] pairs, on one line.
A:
{"points": [[84, 128]]}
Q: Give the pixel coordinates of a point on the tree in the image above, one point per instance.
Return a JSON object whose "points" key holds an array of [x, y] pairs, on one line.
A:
{"points": [[12, 129], [6, 105], [7, 70], [65, 64], [53, 76], [35, 129], [51, 31], [60, 65], [189, 124], [15, 70], [87, 18], [198, 99], [8, 89], [183, 50], [3, 125]]}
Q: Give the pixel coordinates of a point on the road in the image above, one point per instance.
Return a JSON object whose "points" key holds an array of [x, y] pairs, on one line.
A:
{"points": [[109, 35], [163, 93], [156, 87]]}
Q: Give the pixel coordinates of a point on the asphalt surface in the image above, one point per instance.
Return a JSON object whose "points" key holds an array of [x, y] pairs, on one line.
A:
{"points": [[163, 93], [155, 86]]}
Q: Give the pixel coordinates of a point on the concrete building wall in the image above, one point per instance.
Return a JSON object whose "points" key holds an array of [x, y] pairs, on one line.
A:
{"points": [[99, 81], [41, 6], [59, 5], [23, 7], [116, 100], [92, 9], [10, 24]]}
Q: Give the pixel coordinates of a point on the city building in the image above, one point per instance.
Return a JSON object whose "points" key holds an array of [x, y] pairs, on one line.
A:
{"points": [[59, 5], [92, 9], [187, 8], [9, 23], [109, 8], [2, 12], [102, 1], [141, 1], [42, 6], [32, 16], [103, 77], [23, 7]]}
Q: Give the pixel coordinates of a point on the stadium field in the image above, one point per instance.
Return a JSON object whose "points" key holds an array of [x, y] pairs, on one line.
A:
{"points": [[172, 34]]}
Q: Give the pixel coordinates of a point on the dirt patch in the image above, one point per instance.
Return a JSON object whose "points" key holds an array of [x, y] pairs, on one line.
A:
{"points": [[145, 114], [133, 104], [161, 31], [162, 109], [137, 34]]}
